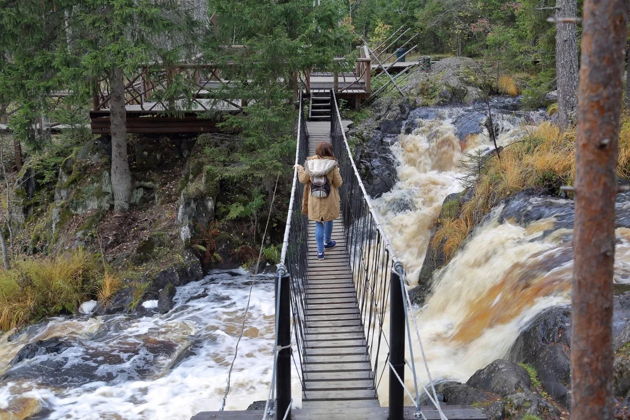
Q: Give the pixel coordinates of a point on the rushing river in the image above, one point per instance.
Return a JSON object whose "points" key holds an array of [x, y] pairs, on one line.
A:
{"points": [[507, 272], [168, 366]]}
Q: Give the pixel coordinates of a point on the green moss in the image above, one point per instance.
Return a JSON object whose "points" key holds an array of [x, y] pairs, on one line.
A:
{"points": [[450, 209], [530, 417], [533, 377]]}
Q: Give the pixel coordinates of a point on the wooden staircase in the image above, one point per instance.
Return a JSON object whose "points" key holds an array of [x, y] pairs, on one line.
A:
{"points": [[320, 105]]}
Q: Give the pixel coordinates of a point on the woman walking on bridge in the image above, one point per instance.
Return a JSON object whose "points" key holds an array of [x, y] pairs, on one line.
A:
{"points": [[321, 193]]}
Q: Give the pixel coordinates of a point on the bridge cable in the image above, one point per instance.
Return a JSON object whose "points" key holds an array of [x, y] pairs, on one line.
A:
{"points": [[249, 297], [433, 398]]}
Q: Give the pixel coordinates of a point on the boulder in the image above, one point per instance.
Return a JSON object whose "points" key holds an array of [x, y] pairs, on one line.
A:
{"points": [[53, 345], [165, 298], [544, 344], [71, 363], [456, 393], [501, 377]]}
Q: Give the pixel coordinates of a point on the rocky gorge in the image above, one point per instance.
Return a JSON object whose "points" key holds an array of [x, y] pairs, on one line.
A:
{"points": [[487, 248]]}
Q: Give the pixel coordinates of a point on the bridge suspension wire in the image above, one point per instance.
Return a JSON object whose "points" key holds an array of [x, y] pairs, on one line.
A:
{"points": [[249, 297], [373, 260], [293, 247]]}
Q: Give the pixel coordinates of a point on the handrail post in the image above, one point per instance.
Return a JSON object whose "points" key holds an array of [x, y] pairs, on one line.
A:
{"points": [[397, 349], [283, 368]]}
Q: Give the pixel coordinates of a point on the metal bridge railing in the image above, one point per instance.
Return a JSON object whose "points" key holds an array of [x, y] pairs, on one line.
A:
{"points": [[290, 288], [379, 279]]}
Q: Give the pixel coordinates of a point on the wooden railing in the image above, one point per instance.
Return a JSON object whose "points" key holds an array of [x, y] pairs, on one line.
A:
{"points": [[174, 88]]}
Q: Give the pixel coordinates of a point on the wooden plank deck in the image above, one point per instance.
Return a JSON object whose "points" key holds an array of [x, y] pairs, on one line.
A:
{"points": [[351, 411], [338, 378]]}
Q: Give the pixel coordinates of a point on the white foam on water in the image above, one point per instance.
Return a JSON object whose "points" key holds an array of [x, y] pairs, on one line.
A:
{"points": [[203, 327]]}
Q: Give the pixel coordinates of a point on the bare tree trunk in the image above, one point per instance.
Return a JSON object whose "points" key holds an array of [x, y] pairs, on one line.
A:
{"points": [[601, 89], [5, 252], [17, 151], [120, 173], [566, 62], [627, 74]]}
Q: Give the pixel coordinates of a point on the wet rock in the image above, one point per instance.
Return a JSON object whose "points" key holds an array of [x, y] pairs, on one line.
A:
{"points": [[259, 405], [194, 211], [544, 345], [435, 257], [401, 204], [377, 164], [72, 363], [187, 271], [120, 302], [419, 294], [517, 405], [469, 123], [529, 206], [456, 393], [165, 299], [53, 345], [391, 126], [22, 408], [501, 377], [621, 372]]}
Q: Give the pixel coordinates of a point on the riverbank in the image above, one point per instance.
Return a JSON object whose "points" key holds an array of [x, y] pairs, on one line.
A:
{"points": [[195, 207]]}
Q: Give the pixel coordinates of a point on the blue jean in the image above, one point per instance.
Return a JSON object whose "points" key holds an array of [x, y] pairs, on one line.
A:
{"points": [[323, 233]]}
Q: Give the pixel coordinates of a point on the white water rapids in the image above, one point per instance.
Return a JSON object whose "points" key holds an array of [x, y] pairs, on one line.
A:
{"points": [[503, 276], [175, 365], [169, 366]]}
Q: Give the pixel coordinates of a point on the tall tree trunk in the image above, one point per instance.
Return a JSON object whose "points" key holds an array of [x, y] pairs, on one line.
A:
{"points": [[627, 97], [17, 152], [566, 62], [601, 89], [121, 176], [5, 251]]}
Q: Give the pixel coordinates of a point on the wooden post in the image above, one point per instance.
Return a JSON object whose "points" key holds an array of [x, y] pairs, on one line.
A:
{"points": [[283, 369], [600, 93], [368, 70], [397, 349], [336, 81]]}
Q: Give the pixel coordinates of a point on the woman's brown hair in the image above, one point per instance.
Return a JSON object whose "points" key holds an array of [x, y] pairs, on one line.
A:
{"points": [[324, 149]]}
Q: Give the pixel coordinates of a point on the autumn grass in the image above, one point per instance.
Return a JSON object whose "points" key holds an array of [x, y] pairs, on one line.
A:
{"points": [[36, 288], [507, 85], [110, 285], [543, 160]]}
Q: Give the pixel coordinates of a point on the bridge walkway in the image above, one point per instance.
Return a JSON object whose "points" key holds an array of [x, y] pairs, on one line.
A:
{"points": [[338, 377]]}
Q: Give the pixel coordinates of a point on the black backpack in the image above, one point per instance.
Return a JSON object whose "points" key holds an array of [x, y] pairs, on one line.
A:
{"points": [[320, 187]]}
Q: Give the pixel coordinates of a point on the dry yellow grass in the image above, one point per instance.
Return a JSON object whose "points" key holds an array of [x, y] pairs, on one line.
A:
{"points": [[623, 163], [451, 235], [35, 288], [110, 285], [507, 85], [544, 159]]}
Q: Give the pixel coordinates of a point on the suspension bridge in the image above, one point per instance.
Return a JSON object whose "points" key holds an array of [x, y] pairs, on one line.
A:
{"points": [[344, 323]]}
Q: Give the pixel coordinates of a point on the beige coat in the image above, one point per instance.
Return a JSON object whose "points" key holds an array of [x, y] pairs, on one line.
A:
{"points": [[320, 209]]}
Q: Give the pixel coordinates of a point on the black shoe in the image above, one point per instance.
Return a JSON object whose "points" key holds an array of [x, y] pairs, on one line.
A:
{"points": [[330, 244]]}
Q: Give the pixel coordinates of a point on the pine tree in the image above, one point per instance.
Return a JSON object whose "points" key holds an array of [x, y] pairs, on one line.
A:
{"points": [[566, 61], [113, 39]]}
